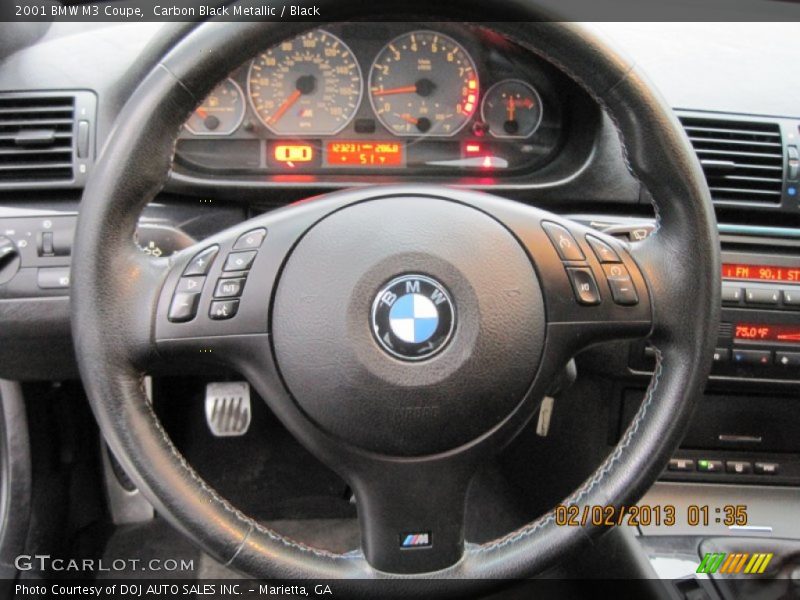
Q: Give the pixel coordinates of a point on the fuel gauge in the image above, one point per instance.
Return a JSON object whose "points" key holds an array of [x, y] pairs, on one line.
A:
{"points": [[512, 109], [220, 113]]}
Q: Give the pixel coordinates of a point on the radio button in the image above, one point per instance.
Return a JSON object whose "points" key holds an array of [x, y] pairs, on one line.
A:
{"points": [[767, 468], [791, 297], [740, 467], [787, 359], [731, 294], [752, 357], [721, 356], [709, 466], [762, 296], [681, 464]]}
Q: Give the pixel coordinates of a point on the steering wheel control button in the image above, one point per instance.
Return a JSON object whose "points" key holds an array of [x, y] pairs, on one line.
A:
{"points": [[619, 281], [413, 317], [584, 285], [190, 284], [229, 288], [201, 263], [239, 261], [223, 309], [709, 466], [680, 464], [251, 240], [183, 307], [566, 245], [762, 296], [731, 294], [604, 252]]}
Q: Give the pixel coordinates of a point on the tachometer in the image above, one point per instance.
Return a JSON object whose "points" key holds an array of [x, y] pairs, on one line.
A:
{"points": [[424, 83], [220, 113], [309, 85]]}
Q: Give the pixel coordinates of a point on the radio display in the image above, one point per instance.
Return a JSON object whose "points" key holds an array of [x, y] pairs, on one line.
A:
{"points": [[364, 154], [762, 332], [761, 272]]}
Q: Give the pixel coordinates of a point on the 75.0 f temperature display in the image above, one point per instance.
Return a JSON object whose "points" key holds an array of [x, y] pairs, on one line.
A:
{"points": [[761, 272], [768, 333]]}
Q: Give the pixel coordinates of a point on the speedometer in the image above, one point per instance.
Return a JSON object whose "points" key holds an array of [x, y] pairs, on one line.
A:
{"points": [[309, 85], [424, 83]]}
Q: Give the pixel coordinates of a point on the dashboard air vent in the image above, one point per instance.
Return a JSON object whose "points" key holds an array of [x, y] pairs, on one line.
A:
{"points": [[36, 138], [742, 159]]}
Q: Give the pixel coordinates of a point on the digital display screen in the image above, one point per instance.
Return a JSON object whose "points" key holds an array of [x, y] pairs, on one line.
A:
{"points": [[767, 333], [761, 272], [364, 154]]}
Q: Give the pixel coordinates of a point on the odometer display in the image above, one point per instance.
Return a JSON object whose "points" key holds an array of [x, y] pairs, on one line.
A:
{"points": [[309, 85], [424, 83], [364, 154]]}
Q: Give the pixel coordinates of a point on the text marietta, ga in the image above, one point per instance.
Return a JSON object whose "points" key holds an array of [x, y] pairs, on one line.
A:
{"points": [[264, 10]]}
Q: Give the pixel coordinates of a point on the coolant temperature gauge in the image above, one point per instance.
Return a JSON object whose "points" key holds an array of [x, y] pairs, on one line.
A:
{"points": [[220, 113], [512, 109]]}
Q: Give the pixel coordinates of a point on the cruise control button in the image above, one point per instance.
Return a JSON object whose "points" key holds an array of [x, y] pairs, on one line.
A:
{"points": [[223, 309], [752, 357], [190, 284], [762, 296], [787, 359], [604, 252], [681, 464], [767, 468], [622, 289], [566, 245], [229, 288], [239, 261], [791, 297], [740, 467], [250, 240], [731, 294], [183, 307], [584, 285], [709, 466], [201, 263]]}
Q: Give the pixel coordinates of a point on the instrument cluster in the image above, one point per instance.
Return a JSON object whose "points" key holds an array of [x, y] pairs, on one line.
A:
{"points": [[366, 98]]}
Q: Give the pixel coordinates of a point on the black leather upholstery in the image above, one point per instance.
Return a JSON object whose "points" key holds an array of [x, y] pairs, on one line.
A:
{"points": [[113, 286]]}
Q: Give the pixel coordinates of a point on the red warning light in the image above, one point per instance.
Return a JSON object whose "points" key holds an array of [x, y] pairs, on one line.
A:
{"points": [[472, 148]]}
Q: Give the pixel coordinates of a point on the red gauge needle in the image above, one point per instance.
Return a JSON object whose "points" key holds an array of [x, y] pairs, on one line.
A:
{"points": [[202, 112], [512, 107], [408, 118], [287, 104], [409, 89]]}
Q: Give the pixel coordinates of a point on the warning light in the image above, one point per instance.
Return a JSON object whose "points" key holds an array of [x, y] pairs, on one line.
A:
{"points": [[472, 148], [293, 153]]}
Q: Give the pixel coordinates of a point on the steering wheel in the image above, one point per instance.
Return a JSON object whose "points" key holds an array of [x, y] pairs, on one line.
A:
{"points": [[402, 333]]}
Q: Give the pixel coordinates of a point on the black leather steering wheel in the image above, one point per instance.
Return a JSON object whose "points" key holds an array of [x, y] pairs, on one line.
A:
{"points": [[406, 434]]}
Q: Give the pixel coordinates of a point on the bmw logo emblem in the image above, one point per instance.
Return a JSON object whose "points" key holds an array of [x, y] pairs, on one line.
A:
{"points": [[413, 317]]}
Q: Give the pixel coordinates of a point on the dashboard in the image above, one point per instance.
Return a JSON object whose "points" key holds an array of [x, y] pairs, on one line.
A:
{"points": [[382, 98]]}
